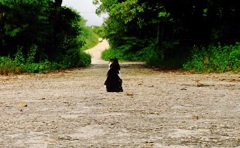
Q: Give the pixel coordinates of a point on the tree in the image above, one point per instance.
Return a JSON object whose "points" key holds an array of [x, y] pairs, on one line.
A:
{"points": [[58, 3], [24, 22], [52, 31], [170, 28], [133, 25]]}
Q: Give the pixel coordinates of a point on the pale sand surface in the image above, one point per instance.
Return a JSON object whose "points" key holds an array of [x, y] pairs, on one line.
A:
{"points": [[96, 51], [157, 109]]}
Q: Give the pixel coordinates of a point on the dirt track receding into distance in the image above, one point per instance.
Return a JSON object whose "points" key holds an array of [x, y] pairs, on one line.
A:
{"points": [[157, 109]]}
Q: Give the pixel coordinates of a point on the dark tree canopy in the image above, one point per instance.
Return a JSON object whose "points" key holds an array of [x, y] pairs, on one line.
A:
{"points": [[171, 27], [58, 2], [32, 24]]}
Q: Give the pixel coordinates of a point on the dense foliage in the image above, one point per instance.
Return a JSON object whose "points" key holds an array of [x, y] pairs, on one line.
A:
{"points": [[41, 35], [215, 58], [99, 30], [165, 32], [90, 37]]}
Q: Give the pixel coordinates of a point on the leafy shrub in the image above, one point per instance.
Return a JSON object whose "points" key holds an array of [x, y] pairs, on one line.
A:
{"points": [[8, 66], [196, 63], [76, 58], [112, 53], [85, 59], [131, 50], [150, 55], [40, 67], [31, 54], [142, 55], [215, 59], [21, 64], [127, 51]]}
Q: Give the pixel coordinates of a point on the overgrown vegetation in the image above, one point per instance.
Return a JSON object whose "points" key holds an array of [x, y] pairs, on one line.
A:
{"points": [[123, 53], [215, 59], [99, 30], [39, 36], [7, 66], [90, 37], [165, 33]]}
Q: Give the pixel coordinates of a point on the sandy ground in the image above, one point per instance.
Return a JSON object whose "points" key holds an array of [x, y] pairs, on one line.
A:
{"points": [[71, 109]]}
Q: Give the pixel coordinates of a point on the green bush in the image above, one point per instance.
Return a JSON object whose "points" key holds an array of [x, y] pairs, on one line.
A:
{"points": [[129, 51], [71, 60], [43, 67], [8, 66], [85, 59], [142, 55], [214, 59], [150, 55], [76, 58], [20, 64], [196, 63], [111, 53]]}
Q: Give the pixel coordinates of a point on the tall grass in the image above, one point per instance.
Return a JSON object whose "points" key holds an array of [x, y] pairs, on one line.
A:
{"points": [[121, 55], [214, 59], [19, 64], [91, 38], [8, 66]]}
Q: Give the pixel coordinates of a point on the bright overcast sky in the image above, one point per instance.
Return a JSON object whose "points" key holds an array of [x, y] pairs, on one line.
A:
{"points": [[87, 11]]}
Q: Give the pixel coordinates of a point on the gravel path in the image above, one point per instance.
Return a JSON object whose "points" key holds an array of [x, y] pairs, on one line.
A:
{"points": [[160, 109]]}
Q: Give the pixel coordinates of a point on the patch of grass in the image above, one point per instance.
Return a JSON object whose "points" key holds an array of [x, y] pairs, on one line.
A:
{"points": [[20, 65], [214, 59], [124, 55], [91, 38], [111, 53], [8, 66]]}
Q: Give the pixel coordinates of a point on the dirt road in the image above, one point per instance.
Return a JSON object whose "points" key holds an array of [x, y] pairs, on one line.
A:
{"points": [[157, 109]]}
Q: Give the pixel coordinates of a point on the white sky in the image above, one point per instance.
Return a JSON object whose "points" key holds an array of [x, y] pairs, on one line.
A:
{"points": [[87, 11]]}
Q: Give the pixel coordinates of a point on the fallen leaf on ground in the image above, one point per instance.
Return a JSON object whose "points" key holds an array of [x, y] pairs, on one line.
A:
{"points": [[129, 94], [22, 104]]}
